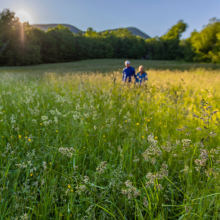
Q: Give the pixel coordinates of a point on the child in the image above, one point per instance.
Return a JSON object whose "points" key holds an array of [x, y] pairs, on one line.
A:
{"points": [[141, 75]]}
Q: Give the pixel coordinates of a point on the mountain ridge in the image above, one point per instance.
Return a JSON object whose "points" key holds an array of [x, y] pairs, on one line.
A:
{"points": [[75, 30]]}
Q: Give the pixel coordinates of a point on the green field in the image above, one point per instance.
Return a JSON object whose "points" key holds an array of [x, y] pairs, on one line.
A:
{"points": [[77, 143]]}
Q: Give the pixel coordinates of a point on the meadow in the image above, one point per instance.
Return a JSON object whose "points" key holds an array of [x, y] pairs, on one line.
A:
{"points": [[77, 143]]}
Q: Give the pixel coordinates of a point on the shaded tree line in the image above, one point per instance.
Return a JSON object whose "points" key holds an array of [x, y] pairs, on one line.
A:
{"points": [[24, 45]]}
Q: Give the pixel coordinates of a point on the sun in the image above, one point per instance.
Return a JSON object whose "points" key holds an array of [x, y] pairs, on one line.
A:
{"points": [[23, 16]]}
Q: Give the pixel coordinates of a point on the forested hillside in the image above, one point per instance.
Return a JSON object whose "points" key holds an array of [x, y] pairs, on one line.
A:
{"points": [[21, 44]]}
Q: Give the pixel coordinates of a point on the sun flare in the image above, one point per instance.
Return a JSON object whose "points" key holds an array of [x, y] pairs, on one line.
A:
{"points": [[23, 16]]}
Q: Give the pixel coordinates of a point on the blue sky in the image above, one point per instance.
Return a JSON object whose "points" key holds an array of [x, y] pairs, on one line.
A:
{"points": [[153, 17]]}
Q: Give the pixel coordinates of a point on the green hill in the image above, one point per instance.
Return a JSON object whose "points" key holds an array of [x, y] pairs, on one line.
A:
{"points": [[75, 30]]}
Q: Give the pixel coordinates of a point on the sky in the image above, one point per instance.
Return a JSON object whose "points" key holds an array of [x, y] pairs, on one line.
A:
{"points": [[154, 17]]}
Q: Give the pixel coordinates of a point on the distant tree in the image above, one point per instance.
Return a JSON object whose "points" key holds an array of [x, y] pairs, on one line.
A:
{"points": [[168, 46], [175, 31]]}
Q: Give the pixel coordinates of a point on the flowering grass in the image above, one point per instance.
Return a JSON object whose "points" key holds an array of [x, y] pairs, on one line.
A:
{"points": [[76, 143]]}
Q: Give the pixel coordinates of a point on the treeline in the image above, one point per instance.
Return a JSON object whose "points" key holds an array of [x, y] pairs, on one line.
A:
{"points": [[21, 44], [203, 46]]}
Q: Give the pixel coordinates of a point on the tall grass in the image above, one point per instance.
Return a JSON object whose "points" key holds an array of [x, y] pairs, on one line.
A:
{"points": [[78, 145]]}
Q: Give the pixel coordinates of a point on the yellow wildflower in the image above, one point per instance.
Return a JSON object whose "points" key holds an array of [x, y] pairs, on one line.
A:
{"points": [[19, 136], [126, 121], [156, 138], [69, 186], [142, 136], [137, 123], [29, 140], [31, 174], [40, 123], [57, 131]]}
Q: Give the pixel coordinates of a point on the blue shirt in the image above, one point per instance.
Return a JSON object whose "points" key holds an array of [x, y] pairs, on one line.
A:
{"points": [[128, 73], [141, 77]]}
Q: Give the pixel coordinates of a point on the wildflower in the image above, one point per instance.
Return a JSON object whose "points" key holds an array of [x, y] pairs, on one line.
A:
{"points": [[66, 151], [131, 191], [186, 142], [57, 131], [86, 179], [137, 124], [19, 136], [50, 163], [101, 167], [44, 118], [95, 127], [213, 134], [142, 136], [24, 217], [103, 135], [148, 120], [72, 190], [69, 186], [25, 136], [31, 174], [80, 189], [4, 111], [126, 121], [29, 140], [156, 138], [40, 123], [55, 119]]}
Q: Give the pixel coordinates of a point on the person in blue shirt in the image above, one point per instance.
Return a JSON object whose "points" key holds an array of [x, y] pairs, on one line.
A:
{"points": [[141, 75], [128, 72]]}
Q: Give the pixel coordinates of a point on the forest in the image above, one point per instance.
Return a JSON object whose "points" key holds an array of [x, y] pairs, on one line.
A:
{"points": [[21, 44]]}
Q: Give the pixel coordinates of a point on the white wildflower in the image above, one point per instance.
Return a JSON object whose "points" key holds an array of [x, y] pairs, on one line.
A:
{"points": [[44, 118]]}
